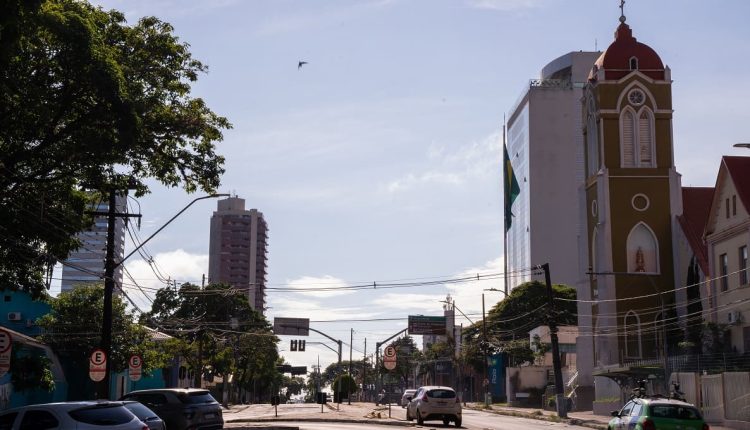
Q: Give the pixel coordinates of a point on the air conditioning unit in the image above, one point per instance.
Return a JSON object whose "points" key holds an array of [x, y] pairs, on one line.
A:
{"points": [[734, 317], [14, 316]]}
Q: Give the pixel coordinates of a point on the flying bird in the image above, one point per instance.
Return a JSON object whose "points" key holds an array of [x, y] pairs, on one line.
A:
{"points": [[300, 64]]}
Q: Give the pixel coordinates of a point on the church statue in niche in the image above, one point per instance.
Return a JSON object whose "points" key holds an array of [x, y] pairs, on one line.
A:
{"points": [[640, 261], [642, 250]]}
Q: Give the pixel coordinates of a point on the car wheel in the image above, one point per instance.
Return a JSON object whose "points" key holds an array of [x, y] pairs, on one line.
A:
{"points": [[420, 420], [408, 417], [458, 422]]}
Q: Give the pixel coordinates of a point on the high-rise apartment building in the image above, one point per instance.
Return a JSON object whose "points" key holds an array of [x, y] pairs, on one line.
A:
{"points": [[545, 145], [85, 266], [238, 249]]}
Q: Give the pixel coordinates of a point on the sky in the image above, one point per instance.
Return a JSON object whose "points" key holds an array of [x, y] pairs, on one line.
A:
{"points": [[379, 160]]}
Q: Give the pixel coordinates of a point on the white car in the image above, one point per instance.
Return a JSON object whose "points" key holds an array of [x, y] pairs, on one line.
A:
{"points": [[435, 403], [84, 415], [407, 396]]}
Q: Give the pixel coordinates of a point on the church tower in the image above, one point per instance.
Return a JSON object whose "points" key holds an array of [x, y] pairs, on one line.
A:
{"points": [[632, 196]]}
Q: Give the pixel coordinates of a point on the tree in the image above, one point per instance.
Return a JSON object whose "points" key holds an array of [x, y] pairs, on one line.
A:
{"points": [[408, 358], [217, 329], [509, 321], [344, 384], [73, 330], [88, 102]]}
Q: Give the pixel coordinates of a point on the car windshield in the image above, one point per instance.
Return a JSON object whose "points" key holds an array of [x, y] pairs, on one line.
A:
{"points": [[102, 415], [142, 412], [441, 394], [675, 411], [198, 398]]}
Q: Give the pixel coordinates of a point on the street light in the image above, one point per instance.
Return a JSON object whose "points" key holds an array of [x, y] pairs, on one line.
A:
{"points": [[742, 145], [109, 282]]}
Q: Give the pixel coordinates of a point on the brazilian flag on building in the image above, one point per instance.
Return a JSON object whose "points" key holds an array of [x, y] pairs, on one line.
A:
{"points": [[510, 187]]}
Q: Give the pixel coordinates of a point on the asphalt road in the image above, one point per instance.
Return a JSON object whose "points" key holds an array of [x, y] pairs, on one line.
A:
{"points": [[473, 420]]}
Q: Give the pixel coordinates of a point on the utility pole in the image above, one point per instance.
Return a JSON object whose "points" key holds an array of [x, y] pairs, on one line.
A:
{"points": [[486, 381], [364, 370], [109, 270], [109, 287], [559, 389], [351, 342]]}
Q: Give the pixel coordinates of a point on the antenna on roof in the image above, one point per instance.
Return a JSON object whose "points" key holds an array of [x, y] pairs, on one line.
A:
{"points": [[622, 11]]}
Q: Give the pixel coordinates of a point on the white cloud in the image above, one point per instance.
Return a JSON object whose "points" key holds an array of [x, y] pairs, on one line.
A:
{"points": [[315, 310], [429, 303], [468, 295], [475, 160], [311, 286], [176, 265]]}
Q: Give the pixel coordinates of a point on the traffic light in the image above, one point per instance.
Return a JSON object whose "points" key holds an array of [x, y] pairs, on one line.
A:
{"points": [[293, 345], [301, 345]]}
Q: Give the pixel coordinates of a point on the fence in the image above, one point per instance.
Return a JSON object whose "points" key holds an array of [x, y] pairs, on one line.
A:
{"points": [[721, 397]]}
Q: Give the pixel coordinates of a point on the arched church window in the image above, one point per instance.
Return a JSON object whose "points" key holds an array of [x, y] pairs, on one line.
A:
{"points": [[637, 134], [628, 138], [633, 63], [642, 250], [632, 330], [592, 143], [594, 265], [645, 138]]}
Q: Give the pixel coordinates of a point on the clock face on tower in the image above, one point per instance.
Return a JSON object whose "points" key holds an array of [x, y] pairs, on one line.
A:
{"points": [[636, 97]]}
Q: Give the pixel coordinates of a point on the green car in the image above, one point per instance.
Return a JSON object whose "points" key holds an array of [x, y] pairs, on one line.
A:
{"points": [[657, 413]]}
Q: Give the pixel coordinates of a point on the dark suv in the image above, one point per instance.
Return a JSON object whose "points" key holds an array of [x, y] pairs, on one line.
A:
{"points": [[182, 408]]}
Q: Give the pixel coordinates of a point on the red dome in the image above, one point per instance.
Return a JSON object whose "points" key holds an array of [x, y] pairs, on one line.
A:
{"points": [[616, 60]]}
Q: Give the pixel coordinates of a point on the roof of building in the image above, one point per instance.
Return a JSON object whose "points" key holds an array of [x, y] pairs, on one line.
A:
{"points": [[156, 335], [696, 206], [615, 60], [739, 170]]}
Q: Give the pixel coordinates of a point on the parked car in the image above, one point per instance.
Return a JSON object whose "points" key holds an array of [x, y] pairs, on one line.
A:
{"points": [[407, 396], [84, 415], [145, 414], [182, 408], [650, 413], [435, 403]]}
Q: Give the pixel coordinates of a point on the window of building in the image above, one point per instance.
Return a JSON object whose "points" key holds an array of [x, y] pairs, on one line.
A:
{"points": [[726, 207], [743, 265], [632, 335], [637, 136], [642, 250], [724, 270], [633, 63], [734, 205]]}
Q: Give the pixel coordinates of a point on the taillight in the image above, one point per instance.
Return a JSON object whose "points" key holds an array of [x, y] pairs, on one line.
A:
{"points": [[706, 427], [458, 400], [648, 425], [145, 427], [424, 398]]}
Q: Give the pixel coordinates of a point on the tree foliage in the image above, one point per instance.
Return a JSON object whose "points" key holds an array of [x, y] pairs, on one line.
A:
{"points": [[509, 321], [73, 329], [408, 358], [344, 384], [88, 102], [217, 329]]}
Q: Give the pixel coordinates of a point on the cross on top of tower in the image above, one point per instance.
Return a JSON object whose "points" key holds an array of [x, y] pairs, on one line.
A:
{"points": [[622, 11]]}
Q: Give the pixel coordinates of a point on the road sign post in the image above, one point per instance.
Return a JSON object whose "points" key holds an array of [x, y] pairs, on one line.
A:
{"points": [[98, 365], [6, 347], [135, 367], [389, 358]]}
